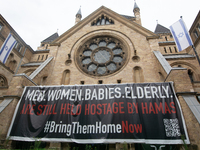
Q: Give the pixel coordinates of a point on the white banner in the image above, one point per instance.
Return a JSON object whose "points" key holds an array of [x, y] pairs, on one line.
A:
{"points": [[181, 35], [6, 48]]}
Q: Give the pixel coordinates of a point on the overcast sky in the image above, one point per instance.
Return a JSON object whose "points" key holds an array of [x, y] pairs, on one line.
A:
{"points": [[35, 20]]}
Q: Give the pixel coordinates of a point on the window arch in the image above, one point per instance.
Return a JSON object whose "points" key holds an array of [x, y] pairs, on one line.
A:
{"points": [[192, 70], [138, 75], [66, 77], [3, 81]]}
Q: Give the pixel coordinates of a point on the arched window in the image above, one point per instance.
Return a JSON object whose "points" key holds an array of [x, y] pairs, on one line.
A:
{"points": [[38, 57], [138, 75], [165, 50], [191, 75], [175, 49], [102, 20], [3, 81], [170, 49], [12, 65], [66, 77]]}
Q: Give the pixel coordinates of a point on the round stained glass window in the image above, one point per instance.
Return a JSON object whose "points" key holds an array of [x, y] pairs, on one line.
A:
{"points": [[101, 56]]}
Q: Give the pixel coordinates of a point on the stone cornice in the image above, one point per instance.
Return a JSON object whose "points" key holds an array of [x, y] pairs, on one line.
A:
{"points": [[186, 93]]}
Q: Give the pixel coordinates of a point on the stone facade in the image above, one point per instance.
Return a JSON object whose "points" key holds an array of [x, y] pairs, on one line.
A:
{"points": [[141, 64]]}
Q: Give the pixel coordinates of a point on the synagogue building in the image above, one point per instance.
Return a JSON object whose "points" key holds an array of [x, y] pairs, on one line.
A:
{"points": [[105, 66]]}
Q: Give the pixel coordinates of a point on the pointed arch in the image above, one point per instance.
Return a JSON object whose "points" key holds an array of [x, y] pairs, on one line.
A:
{"points": [[65, 77], [138, 75], [12, 65], [102, 20]]}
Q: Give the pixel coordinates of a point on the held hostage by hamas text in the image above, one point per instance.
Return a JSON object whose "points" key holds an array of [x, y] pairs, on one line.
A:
{"points": [[100, 109]]}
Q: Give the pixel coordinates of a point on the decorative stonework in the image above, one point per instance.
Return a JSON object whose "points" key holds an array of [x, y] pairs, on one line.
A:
{"points": [[3, 81], [102, 55], [102, 20]]}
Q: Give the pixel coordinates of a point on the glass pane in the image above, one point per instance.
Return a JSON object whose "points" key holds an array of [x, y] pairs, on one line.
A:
{"points": [[98, 22], [102, 43], [117, 51], [102, 21], [107, 22], [93, 46], [102, 56], [86, 61], [92, 67], [112, 67], [117, 59], [87, 52], [111, 45], [101, 70]]}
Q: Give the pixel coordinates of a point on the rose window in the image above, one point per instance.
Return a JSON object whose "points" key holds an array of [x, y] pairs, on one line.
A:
{"points": [[101, 56]]}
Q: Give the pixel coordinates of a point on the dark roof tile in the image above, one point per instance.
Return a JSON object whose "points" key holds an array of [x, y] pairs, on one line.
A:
{"points": [[161, 29], [127, 17], [51, 38]]}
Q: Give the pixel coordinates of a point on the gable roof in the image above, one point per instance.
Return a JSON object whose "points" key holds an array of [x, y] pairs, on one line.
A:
{"points": [[161, 29], [51, 38], [115, 16]]}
